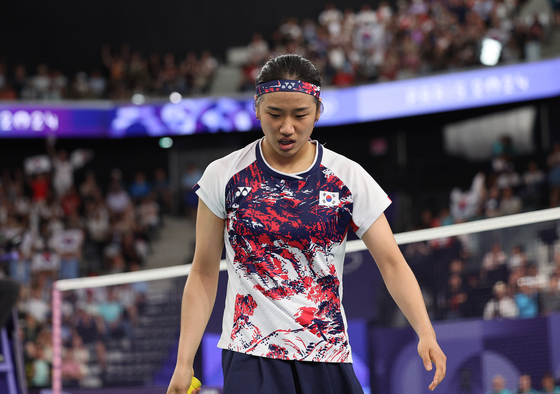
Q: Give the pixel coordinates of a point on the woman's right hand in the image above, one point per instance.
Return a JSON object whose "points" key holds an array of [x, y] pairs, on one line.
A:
{"points": [[181, 381]]}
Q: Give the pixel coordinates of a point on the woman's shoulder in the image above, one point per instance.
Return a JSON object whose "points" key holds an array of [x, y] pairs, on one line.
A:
{"points": [[340, 164], [232, 160], [330, 156]]}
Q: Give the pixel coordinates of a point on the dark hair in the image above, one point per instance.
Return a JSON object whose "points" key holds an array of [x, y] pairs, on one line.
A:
{"points": [[289, 66]]}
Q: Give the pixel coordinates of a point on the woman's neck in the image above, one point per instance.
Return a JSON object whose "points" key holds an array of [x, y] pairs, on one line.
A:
{"points": [[297, 163]]}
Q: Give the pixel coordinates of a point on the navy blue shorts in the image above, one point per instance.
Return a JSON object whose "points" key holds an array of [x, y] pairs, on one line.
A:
{"points": [[258, 375]]}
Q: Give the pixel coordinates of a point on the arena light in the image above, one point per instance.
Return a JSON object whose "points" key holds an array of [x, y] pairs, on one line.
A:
{"points": [[138, 99], [166, 142], [490, 52], [175, 97]]}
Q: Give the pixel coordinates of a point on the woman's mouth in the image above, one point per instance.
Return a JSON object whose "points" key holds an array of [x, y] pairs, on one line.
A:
{"points": [[286, 143]]}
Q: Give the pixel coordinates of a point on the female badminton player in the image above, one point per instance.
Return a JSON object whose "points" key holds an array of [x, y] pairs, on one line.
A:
{"points": [[283, 206]]}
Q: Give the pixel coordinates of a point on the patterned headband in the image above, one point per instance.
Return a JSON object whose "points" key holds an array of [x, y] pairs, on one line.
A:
{"points": [[288, 85]]}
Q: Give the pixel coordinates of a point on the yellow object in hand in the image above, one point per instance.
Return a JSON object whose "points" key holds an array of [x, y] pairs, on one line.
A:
{"points": [[195, 383]]}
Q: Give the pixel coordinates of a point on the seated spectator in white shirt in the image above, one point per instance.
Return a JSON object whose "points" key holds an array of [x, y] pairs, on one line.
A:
{"points": [[495, 258], [508, 178], [36, 306], [510, 203], [534, 175], [551, 298], [331, 18], [502, 305], [518, 258], [366, 15], [117, 199]]}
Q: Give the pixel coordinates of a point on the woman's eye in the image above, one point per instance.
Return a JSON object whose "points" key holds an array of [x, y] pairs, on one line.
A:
{"points": [[274, 115]]}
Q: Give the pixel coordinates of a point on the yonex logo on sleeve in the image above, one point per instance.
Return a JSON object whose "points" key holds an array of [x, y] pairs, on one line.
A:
{"points": [[242, 191], [328, 199]]}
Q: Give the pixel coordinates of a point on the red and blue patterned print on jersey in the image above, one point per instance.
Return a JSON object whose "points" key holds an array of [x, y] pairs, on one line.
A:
{"points": [[282, 237]]}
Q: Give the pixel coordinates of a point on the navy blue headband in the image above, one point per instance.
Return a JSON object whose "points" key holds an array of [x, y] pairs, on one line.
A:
{"points": [[288, 85]]}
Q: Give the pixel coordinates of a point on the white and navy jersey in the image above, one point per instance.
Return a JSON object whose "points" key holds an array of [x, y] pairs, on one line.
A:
{"points": [[285, 237]]}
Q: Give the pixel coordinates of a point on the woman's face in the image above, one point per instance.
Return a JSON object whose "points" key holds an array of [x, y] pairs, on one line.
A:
{"points": [[287, 120]]}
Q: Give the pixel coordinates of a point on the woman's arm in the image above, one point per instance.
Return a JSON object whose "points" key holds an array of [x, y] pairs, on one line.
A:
{"points": [[199, 295], [404, 289]]}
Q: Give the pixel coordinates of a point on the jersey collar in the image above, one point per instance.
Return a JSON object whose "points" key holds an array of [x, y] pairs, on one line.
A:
{"points": [[262, 163]]}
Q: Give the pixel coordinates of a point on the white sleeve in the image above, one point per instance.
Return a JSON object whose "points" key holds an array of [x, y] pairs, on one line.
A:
{"points": [[370, 200], [211, 187]]}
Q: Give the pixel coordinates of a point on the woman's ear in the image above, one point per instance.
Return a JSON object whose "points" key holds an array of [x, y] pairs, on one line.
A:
{"points": [[256, 107], [319, 110]]}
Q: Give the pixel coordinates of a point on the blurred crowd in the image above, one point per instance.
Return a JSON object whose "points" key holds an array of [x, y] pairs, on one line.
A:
{"points": [[525, 385], [396, 40], [54, 227], [478, 276], [463, 279], [502, 189], [402, 40], [125, 73]]}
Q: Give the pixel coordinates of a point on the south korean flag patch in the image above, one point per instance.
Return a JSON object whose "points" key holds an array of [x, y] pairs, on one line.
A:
{"points": [[328, 199]]}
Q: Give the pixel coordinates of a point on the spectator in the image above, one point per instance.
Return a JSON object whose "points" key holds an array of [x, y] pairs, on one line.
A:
{"points": [[40, 186], [249, 72], [493, 265], [258, 50], [206, 72], [331, 18], [499, 386], [72, 370], [140, 188], [97, 84], [535, 38], [117, 199], [36, 306], [41, 83], [81, 87], [526, 300], [68, 245], [517, 259], [40, 367], [148, 217], [551, 297], [71, 201], [64, 167], [510, 203], [548, 385], [89, 189], [97, 225], [92, 330], [501, 306], [525, 386], [114, 318], [533, 181], [59, 86], [465, 205], [509, 177], [534, 175], [455, 298], [492, 204]]}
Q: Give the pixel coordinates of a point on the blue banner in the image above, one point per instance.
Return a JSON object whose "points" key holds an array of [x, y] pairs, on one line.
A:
{"points": [[418, 96]]}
